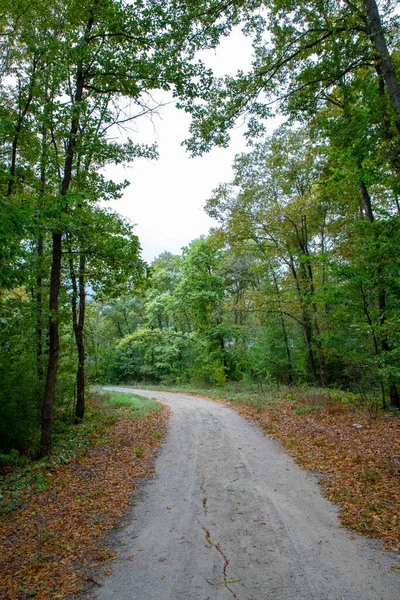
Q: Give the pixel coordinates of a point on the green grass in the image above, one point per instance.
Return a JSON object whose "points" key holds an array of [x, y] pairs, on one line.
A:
{"points": [[139, 406], [235, 392], [304, 398]]}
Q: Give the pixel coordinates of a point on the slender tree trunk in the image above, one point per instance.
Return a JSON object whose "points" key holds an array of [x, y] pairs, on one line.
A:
{"points": [[49, 394], [384, 344], [50, 387], [318, 343], [376, 344], [284, 332], [393, 391], [39, 266], [366, 198], [78, 305], [80, 379], [310, 350], [307, 326], [39, 309], [308, 298], [383, 56]]}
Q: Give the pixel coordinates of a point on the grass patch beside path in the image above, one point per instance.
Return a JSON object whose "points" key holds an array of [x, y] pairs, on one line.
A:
{"points": [[345, 438], [56, 532], [139, 405]]}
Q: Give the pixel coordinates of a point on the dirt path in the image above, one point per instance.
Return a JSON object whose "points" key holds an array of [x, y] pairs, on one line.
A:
{"points": [[231, 516]]}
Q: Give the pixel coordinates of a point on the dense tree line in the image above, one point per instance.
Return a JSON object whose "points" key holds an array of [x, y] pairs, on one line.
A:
{"points": [[73, 77], [299, 282]]}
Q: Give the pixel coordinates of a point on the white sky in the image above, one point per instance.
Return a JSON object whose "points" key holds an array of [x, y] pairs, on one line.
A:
{"points": [[166, 197]]}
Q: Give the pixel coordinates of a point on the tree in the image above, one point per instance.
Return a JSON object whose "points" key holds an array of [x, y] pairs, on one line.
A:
{"points": [[73, 82], [302, 52], [274, 207], [104, 254]]}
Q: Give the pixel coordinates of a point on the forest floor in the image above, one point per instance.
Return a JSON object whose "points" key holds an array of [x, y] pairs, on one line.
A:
{"points": [[56, 513], [355, 450]]}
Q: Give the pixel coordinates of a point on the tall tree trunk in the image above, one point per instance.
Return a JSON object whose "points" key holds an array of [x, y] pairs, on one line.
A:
{"points": [[393, 391], [367, 201], [309, 343], [80, 378], [375, 342], [321, 356], [306, 323], [384, 60], [318, 343], [50, 387], [384, 344], [39, 266], [78, 303], [49, 394], [284, 332], [39, 309]]}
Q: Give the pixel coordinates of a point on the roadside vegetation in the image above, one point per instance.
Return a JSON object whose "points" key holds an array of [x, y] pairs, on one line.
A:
{"points": [[57, 512]]}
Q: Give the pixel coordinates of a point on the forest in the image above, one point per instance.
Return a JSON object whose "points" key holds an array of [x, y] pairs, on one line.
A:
{"points": [[298, 284]]}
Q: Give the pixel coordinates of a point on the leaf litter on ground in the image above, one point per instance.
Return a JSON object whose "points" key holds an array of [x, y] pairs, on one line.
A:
{"points": [[359, 466], [55, 535]]}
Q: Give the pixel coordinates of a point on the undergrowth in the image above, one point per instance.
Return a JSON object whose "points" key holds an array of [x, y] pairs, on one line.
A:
{"points": [[58, 530], [23, 476], [304, 398]]}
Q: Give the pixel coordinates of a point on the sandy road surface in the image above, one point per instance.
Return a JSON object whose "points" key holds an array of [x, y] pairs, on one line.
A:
{"points": [[230, 515]]}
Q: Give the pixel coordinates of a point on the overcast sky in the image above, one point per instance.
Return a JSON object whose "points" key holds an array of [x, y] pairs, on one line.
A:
{"points": [[166, 197]]}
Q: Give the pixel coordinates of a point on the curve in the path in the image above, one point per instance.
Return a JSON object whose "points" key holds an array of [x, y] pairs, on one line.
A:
{"points": [[231, 516]]}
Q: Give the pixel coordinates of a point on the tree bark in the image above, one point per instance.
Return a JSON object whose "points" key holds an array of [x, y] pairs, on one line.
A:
{"points": [[367, 202], [18, 128], [393, 391], [310, 351], [50, 387], [383, 56], [318, 343], [284, 332], [307, 325], [78, 303], [39, 265], [384, 344], [375, 342], [39, 309], [308, 275]]}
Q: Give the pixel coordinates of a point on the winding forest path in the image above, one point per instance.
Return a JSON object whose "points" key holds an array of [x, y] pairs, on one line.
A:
{"points": [[231, 516]]}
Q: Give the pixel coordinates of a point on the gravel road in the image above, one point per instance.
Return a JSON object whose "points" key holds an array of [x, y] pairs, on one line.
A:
{"points": [[230, 516]]}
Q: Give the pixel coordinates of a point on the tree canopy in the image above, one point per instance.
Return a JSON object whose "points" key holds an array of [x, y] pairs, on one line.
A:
{"points": [[298, 283]]}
